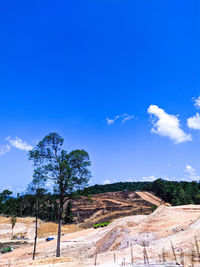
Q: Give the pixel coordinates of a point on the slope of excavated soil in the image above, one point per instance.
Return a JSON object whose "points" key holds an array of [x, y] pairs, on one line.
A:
{"points": [[108, 206], [159, 231]]}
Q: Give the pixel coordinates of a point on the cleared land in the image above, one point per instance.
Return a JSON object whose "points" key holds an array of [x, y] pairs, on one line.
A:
{"points": [[159, 231], [108, 206]]}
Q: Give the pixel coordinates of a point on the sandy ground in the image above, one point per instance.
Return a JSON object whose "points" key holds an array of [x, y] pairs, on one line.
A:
{"points": [[24, 226], [50, 228], [152, 235]]}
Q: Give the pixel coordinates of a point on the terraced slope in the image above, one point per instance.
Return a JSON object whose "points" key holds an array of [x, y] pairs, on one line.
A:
{"points": [[108, 206]]}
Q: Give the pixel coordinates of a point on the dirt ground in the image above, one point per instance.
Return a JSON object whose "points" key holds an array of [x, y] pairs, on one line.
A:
{"points": [[50, 228], [168, 234]]}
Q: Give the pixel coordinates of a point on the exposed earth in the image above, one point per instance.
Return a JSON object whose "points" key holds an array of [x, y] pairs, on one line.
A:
{"points": [[108, 206], [167, 234]]}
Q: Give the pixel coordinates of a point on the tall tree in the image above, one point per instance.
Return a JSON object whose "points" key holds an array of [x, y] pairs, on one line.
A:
{"points": [[68, 171], [36, 187]]}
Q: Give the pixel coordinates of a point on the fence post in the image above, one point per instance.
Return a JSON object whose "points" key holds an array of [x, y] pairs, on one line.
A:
{"points": [[131, 254], [95, 259]]}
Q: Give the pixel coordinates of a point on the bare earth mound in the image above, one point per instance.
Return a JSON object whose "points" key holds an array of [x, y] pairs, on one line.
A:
{"points": [[167, 225], [112, 205]]}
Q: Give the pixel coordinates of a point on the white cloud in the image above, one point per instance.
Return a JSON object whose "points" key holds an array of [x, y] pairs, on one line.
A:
{"points": [[165, 124], [194, 122], [110, 121], [19, 143], [148, 179], [190, 170], [106, 181], [21, 189], [196, 102], [124, 117], [191, 173], [4, 149], [127, 118], [110, 181]]}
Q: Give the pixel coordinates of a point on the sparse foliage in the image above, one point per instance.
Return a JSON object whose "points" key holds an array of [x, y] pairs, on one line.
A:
{"points": [[68, 171]]}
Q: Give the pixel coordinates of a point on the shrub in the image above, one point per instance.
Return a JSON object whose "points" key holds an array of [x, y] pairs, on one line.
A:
{"points": [[101, 225], [154, 207]]}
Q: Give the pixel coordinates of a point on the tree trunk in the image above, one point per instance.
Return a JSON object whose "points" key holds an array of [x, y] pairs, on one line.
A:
{"points": [[59, 222], [59, 232], [36, 230]]}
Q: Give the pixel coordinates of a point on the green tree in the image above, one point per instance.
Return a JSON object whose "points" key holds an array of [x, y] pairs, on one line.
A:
{"points": [[68, 171], [5, 194]]}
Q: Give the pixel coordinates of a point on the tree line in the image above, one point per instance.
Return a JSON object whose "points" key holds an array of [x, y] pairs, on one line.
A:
{"points": [[174, 192]]}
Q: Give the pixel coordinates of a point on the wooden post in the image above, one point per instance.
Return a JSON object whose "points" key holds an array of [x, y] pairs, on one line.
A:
{"points": [[163, 255], [197, 246], [95, 259], [173, 250], [131, 254], [144, 253], [114, 258], [160, 257], [144, 256], [182, 258], [192, 258], [146, 259]]}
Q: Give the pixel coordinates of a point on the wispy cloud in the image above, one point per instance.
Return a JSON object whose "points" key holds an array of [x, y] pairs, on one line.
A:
{"points": [[19, 143], [168, 125], [4, 149], [110, 181], [194, 122], [191, 173], [123, 118], [128, 118], [196, 101], [107, 181], [110, 121], [148, 178]]}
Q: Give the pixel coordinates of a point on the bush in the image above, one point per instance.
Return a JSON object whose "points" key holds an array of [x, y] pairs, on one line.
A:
{"points": [[100, 225], [153, 208]]}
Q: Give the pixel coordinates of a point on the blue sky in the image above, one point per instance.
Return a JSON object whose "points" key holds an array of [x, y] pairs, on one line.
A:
{"points": [[117, 78]]}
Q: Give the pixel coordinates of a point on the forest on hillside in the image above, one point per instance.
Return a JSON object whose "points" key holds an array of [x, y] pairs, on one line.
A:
{"points": [[176, 193]]}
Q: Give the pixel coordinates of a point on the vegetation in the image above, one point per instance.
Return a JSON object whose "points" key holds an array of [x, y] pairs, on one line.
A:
{"points": [[153, 208], [67, 171], [68, 174], [101, 224], [7, 249], [176, 193]]}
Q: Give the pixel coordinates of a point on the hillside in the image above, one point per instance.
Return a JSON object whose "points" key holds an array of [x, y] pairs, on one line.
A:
{"points": [[108, 206], [166, 227]]}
